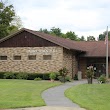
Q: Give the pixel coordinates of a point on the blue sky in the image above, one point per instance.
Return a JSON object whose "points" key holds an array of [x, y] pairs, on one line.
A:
{"points": [[84, 17]]}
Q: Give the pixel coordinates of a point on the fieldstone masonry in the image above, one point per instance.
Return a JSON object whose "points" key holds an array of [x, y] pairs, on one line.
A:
{"points": [[60, 58], [39, 65], [70, 61]]}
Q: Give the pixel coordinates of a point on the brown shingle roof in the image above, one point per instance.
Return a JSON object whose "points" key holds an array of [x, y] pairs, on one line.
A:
{"points": [[67, 43], [92, 48]]}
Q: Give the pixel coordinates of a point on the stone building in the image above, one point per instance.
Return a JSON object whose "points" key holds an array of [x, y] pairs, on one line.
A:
{"points": [[35, 52]]}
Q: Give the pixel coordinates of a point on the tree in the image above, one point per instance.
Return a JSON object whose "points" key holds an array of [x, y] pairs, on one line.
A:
{"points": [[44, 31], [102, 36], [9, 22], [56, 31], [71, 35], [82, 38], [15, 25], [90, 38], [53, 31], [17, 22]]}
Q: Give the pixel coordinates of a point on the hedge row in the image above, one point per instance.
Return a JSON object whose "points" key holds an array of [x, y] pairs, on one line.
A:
{"points": [[31, 76], [22, 75]]}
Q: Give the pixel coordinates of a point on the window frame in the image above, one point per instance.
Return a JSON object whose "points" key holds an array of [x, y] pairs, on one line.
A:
{"points": [[47, 57], [32, 58], [1, 56], [16, 56]]}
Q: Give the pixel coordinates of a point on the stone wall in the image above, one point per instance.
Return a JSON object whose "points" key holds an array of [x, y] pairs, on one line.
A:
{"points": [[70, 62], [82, 66], [39, 65]]}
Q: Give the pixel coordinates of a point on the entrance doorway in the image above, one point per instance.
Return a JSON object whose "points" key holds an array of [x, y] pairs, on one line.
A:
{"points": [[99, 69], [98, 65]]}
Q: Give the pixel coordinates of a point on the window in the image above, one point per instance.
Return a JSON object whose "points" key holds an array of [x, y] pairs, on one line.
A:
{"points": [[17, 57], [47, 57], [3, 57], [31, 57]]}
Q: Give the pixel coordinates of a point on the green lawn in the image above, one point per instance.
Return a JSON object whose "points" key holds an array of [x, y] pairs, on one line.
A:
{"points": [[91, 96], [23, 93]]}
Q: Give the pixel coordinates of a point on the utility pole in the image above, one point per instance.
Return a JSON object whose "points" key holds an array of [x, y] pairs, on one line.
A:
{"points": [[106, 53]]}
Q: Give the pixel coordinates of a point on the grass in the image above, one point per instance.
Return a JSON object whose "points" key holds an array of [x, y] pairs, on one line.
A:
{"points": [[90, 96], [23, 93]]}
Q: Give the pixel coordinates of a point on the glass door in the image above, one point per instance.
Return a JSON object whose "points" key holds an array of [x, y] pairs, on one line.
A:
{"points": [[99, 69]]}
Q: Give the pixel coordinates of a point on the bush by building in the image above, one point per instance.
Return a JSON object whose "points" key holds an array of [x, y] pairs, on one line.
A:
{"points": [[102, 79], [38, 79], [22, 75]]}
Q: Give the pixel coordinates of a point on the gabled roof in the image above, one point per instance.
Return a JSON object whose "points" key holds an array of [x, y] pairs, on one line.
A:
{"points": [[66, 43], [94, 48], [91, 48]]}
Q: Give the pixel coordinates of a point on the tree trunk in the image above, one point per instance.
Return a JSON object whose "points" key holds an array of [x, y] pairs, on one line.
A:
{"points": [[89, 80]]}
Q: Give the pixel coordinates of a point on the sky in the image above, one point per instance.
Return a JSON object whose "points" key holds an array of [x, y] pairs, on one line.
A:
{"points": [[84, 17]]}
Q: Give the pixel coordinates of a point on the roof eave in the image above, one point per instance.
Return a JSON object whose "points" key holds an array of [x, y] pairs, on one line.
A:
{"points": [[77, 50], [93, 56]]}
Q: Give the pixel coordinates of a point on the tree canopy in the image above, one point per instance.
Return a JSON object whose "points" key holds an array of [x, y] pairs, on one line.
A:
{"points": [[9, 22], [82, 38], [57, 32], [71, 35], [102, 36], [90, 38]]}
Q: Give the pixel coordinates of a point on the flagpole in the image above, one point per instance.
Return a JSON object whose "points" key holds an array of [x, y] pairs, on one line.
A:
{"points": [[107, 54]]}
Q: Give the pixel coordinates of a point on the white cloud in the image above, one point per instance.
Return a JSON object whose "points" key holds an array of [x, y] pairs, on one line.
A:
{"points": [[84, 17]]}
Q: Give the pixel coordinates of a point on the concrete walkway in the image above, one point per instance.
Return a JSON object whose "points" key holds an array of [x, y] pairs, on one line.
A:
{"points": [[48, 108], [55, 96], [56, 100]]}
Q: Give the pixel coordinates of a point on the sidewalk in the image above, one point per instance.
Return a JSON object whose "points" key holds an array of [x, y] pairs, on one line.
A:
{"points": [[56, 100], [55, 96], [48, 108]]}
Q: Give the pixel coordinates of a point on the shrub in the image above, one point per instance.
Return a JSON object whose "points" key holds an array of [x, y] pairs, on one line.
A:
{"points": [[22, 76], [52, 75], [61, 79], [32, 76], [10, 75], [90, 74], [102, 79], [63, 73], [67, 78], [46, 76], [38, 79], [76, 77], [2, 75], [57, 74]]}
